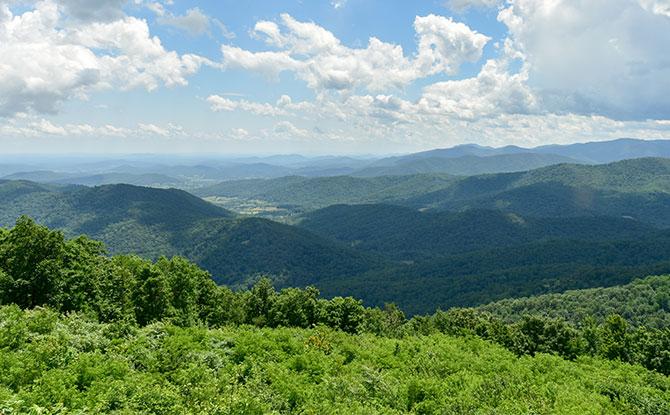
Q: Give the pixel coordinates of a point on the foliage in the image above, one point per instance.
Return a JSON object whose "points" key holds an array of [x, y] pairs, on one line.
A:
{"points": [[72, 365], [151, 223], [643, 302], [637, 188], [406, 234]]}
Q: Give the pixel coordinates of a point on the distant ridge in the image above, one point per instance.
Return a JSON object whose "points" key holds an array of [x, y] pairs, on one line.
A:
{"points": [[465, 165]]}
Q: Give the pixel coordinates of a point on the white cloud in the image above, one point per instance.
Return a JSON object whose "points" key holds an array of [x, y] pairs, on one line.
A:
{"points": [[316, 56], [494, 91], [194, 21], [111, 130], [444, 44], [598, 57], [661, 7], [239, 134], [80, 129], [170, 130], [224, 30], [48, 59], [286, 128], [224, 104], [338, 3], [47, 127], [268, 64], [155, 7]]}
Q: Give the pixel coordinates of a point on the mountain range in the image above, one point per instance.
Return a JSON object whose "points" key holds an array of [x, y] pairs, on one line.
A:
{"points": [[192, 171], [435, 240]]}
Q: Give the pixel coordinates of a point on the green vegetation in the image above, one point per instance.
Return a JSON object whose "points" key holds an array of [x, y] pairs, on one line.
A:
{"points": [[296, 192], [406, 234], [636, 188], [466, 165], [481, 277], [643, 302], [155, 222], [123, 335], [421, 261], [72, 365]]}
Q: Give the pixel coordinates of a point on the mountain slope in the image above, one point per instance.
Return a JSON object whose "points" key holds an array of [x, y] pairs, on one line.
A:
{"points": [[324, 191], [406, 234], [479, 277], [638, 188], [464, 166], [643, 302], [153, 222]]}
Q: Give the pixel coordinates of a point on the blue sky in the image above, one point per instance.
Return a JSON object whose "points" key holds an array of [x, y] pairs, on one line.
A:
{"points": [[331, 76]]}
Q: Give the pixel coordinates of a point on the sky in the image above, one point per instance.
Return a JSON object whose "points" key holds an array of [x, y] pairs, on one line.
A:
{"points": [[329, 76]]}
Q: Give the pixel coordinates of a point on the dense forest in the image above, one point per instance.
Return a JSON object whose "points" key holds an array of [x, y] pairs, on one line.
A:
{"points": [[635, 188], [643, 302], [376, 253], [122, 334]]}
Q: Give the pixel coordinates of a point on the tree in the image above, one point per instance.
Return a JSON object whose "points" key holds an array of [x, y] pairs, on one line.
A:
{"points": [[614, 338], [31, 257], [259, 303], [152, 297]]}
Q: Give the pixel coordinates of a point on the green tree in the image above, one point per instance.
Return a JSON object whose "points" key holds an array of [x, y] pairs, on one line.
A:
{"points": [[259, 303], [31, 257], [152, 296], [614, 339]]}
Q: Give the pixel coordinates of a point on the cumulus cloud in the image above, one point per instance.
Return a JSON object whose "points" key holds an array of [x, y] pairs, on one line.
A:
{"points": [[194, 21], [47, 127], [267, 64], [170, 130], [316, 56], [661, 7], [286, 128], [600, 57], [220, 103], [47, 61], [494, 91]]}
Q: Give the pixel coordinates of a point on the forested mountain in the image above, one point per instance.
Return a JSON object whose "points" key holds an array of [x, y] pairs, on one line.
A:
{"points": [[453, 259], [407, 234], [147, 179], [463, 166], [479, 277], [312, 193], [609, 151], [590, 152], [643, 302], [638, 188], [153, 222]]}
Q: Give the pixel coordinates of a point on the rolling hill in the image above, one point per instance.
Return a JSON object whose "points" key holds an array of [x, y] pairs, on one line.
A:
{"points": [[643, 302], [639, 188], [462, 166], [406, 234], [312, 193], [480, 277], [153, 222]]}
